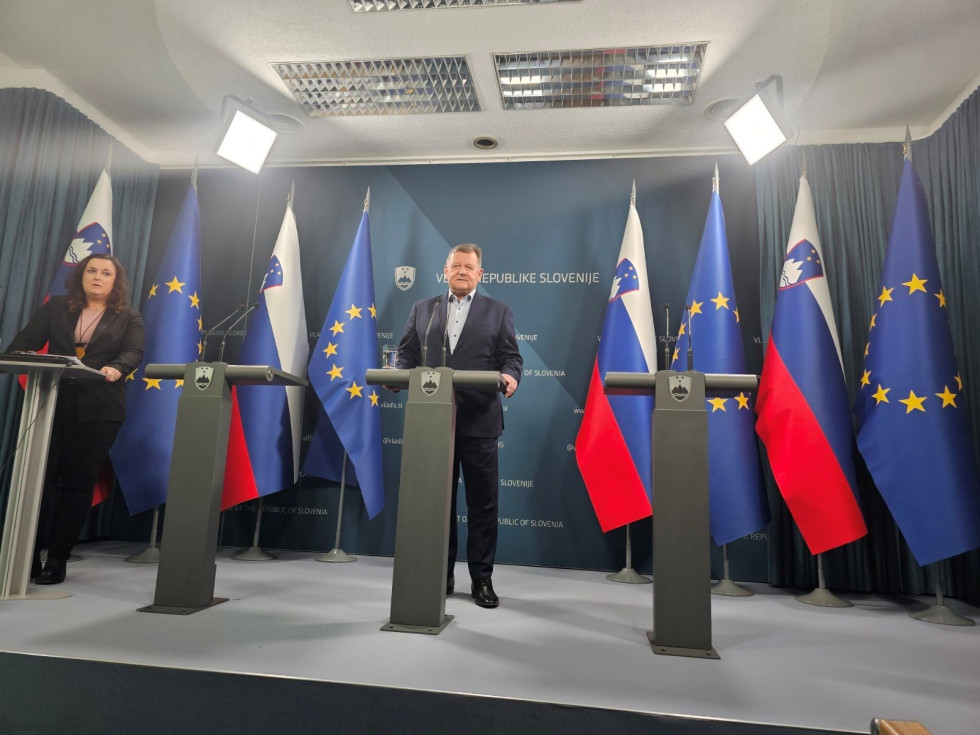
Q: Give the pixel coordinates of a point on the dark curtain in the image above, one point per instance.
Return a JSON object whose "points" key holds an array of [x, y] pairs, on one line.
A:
{"points": [[51, 156], [855, 188]]}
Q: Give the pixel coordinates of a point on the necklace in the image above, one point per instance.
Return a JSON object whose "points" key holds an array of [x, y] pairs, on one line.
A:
{"points": [[83, 330]]}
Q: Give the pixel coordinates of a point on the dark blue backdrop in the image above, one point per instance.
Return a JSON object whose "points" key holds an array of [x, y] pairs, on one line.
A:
{"points": [[551, 234]]}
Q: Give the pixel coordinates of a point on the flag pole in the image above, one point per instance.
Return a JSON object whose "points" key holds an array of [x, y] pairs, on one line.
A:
{"points": [[151, 554], [627, 574], [254, 552], [821, 595], [337, 554], [725, 585], [940, 613]]}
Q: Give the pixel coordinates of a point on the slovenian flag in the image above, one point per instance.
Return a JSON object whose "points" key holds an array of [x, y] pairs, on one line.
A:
{"points": [[737, 500], [914, 425], [804, 416], [266, 425], [613, 446], [94, 235]]}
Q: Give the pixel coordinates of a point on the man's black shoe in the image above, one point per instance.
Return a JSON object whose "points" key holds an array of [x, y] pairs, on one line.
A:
{"points": [[450, 585], [483, 593]]}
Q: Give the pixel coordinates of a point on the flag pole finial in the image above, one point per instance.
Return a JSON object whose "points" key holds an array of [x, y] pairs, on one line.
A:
{"points": [[907, 145], [291, 194], [367, 200], [108, 161], [716, 180], [633, 194], [194, 174]]}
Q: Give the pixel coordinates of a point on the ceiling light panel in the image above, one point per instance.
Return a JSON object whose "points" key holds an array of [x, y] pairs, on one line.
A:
{"points": [[616, 77], [381, 87], [373, 6]]}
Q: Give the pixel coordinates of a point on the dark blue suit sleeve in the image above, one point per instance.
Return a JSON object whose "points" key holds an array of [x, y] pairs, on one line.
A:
{"points": [[508, 356]]}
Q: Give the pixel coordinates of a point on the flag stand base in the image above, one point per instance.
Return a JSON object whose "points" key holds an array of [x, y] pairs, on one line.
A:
{"points": [[424, 629], [254, 553], [628, 575], [150, 555], [823, 597], [335, 556], [728, 588], [678, 651], [942, 615], [172, 610]]}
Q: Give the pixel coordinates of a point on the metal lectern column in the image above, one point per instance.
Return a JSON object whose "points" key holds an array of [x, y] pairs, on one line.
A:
{"points": [[185, 575], [418, 587], [30, 462], [681, 518]]}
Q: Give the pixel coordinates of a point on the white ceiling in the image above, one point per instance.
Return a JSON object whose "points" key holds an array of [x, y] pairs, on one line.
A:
{"points": [[154, 74]]}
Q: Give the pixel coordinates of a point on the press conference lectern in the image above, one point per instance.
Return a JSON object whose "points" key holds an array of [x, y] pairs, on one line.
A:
{"points": [[30, 461], [681, 517], [185, 574], [418, 587]]}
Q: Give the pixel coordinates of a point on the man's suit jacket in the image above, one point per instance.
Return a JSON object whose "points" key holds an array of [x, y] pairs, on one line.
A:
{"points": [[488, 342], [116, 341]]}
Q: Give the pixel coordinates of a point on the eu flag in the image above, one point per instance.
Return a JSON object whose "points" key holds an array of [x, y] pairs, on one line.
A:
{"points": [[172, 318], [346, 349], [914, 431], [738, 503]]}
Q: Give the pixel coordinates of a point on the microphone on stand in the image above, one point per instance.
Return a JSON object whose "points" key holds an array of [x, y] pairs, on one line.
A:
{"points": [[690, 342], [666, 336], [445, 334], [224, 337], [204, 347], [425, 340]]}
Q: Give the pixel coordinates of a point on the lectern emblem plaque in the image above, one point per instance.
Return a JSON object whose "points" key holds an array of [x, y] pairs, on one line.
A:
{"points": [[680, 387], [202, 377], [430, 382]]}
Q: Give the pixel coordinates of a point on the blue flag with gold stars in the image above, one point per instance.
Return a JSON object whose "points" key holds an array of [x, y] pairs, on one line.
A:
{"points": [[914, 430], [172, 320], [737, 499], [346, 349]]}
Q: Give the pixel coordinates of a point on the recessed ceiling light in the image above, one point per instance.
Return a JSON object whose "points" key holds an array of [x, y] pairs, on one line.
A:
{"points": [[613, 77], [368, 6], [381, 86]]}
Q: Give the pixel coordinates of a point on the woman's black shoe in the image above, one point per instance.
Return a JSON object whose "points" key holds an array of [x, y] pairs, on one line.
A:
{"points": [[53, 573]]}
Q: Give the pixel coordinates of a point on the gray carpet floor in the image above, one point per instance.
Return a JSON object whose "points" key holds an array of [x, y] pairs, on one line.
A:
{"points": [[563, 636]]}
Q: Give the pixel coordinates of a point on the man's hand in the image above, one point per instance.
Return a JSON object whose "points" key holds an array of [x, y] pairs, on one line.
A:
{"points": [[510, 384]]}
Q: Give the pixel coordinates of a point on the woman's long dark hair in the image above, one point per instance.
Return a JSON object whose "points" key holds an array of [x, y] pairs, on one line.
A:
{"points": [[119, 295]]}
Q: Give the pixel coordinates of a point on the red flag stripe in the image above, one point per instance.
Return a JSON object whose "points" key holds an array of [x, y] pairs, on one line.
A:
{"points": [[816, 490], [604, 460]]}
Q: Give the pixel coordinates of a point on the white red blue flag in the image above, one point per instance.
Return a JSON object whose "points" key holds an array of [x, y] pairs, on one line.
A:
{"points": [[802, 404], [613, 446], [94, 235], [266, 427]]}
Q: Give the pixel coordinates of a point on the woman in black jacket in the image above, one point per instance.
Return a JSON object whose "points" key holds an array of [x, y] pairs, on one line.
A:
{"points": [[94, 323]]}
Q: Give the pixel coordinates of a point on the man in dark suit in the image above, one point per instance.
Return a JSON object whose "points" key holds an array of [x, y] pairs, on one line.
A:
{"points": [[479, 335]]}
